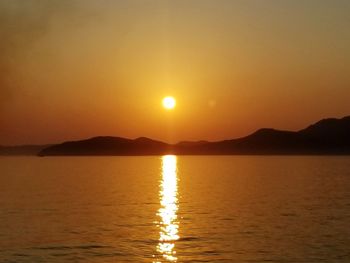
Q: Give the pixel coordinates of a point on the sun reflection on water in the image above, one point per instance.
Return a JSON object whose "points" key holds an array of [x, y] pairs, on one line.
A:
{"points": [[168, 223]]}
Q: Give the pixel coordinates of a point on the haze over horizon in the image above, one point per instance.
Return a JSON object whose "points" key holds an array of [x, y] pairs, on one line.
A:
{"points": [[77, 69]]}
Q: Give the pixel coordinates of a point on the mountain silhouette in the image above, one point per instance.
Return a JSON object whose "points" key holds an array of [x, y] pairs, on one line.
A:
{"points": [[22, 149], [108, 145], [328, 136]]}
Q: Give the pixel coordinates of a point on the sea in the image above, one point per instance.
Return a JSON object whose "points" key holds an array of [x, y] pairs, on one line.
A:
{"points": [[175, 209]]}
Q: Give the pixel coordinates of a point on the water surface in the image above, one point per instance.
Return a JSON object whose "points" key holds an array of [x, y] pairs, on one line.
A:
{"points": [[175, 209]]}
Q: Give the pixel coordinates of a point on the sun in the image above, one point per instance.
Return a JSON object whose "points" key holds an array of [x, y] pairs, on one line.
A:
{"points": [[169, 102]]}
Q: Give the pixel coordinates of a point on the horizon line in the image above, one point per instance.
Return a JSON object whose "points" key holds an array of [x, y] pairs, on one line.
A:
{"points": [[181, 141]]}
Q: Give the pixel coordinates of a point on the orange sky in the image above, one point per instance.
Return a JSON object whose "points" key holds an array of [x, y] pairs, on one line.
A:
{"points": [[76, 69]]}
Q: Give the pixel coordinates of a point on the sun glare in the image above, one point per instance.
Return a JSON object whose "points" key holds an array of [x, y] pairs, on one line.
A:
{"points": [[169, 222], [169, 103]]}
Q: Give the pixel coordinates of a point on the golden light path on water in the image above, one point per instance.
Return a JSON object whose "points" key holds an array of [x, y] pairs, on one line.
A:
{"points": [[168, 223]]}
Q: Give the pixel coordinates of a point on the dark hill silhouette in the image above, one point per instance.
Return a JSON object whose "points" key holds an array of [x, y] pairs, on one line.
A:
{"points": [[22, 149], [333, 132], [329, 136], [107, 145]]}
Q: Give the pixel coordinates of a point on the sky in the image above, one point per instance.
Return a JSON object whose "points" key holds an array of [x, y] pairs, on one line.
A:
{"points": [[80, 68]]}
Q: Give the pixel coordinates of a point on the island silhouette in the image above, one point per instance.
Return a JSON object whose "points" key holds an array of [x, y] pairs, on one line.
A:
{"points": [[326, 137]]}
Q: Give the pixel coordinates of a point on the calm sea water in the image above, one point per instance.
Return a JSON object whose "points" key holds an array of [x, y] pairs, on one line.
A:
{"points": [[175, 209]]}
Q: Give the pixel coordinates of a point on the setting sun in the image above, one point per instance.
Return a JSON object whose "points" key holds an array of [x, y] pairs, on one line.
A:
{"points": [[169, 103]]}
